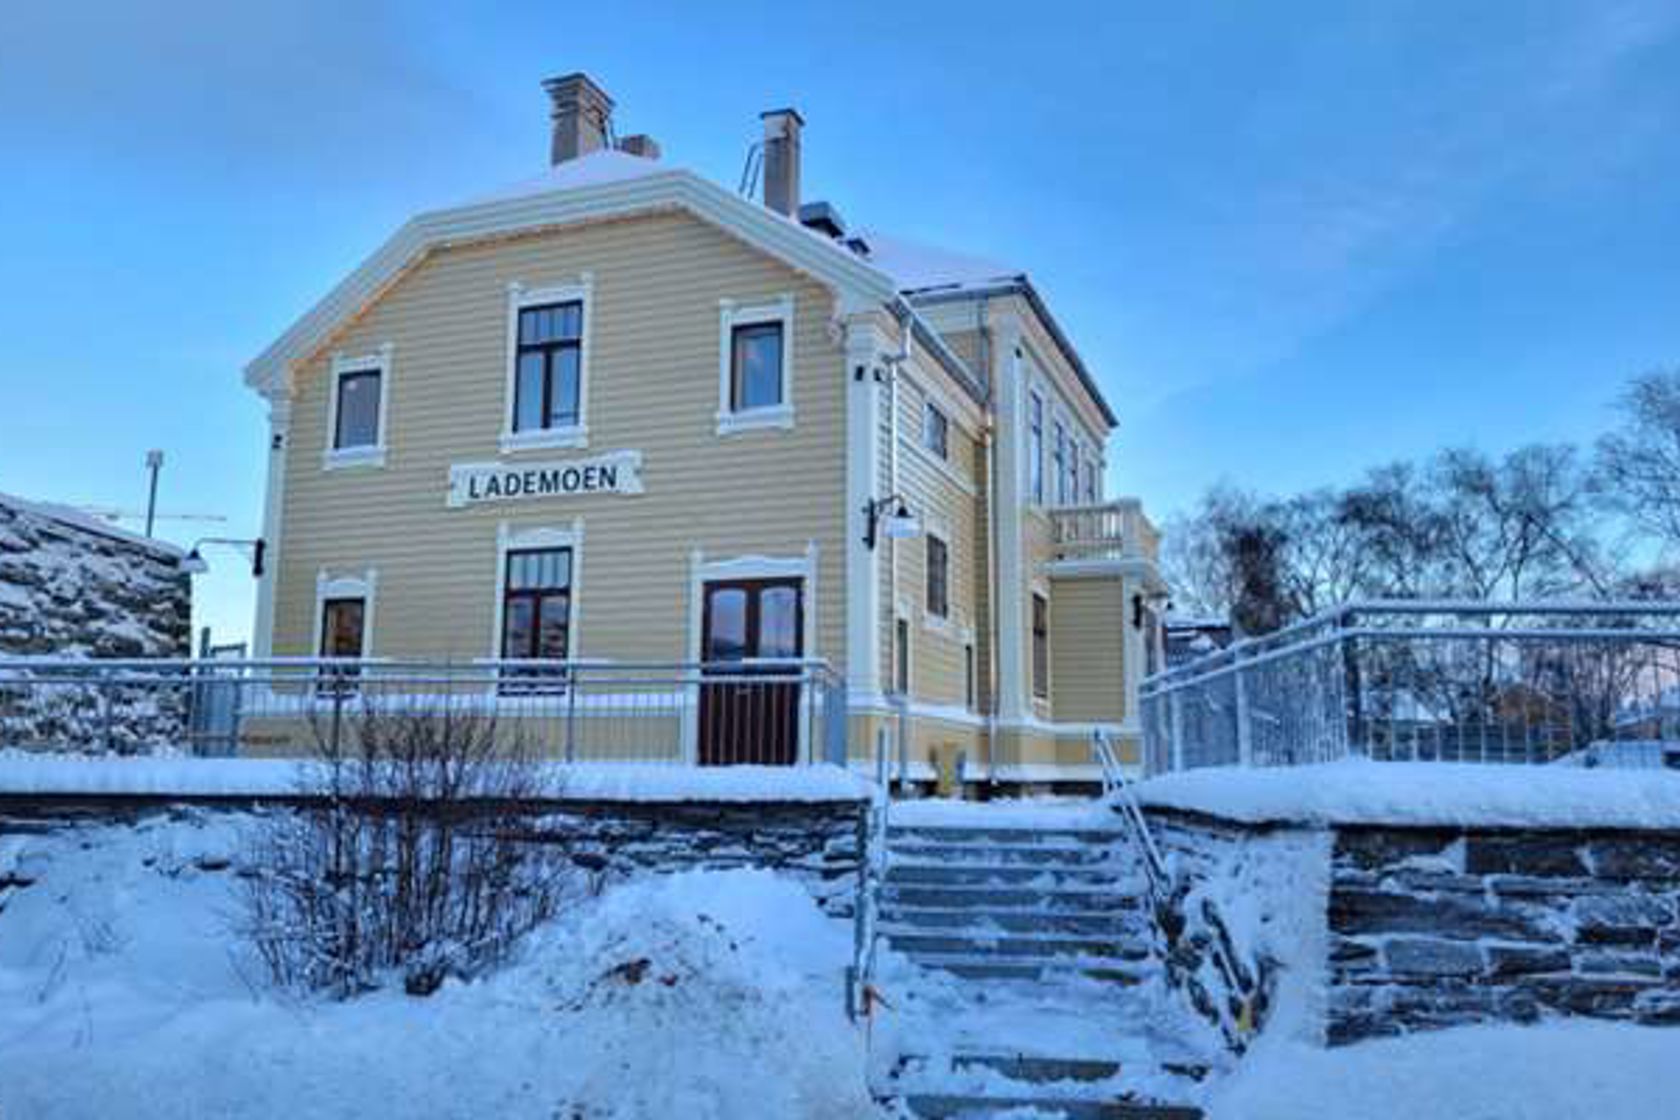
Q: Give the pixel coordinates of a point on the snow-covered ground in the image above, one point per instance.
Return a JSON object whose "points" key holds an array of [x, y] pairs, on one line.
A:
{"points": [[1425, 793], [123, 994], [28, 772], [1571, 1070]]}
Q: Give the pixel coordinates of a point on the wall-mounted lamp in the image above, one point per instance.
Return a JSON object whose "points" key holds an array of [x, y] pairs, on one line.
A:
{"points": [[193, 563], [891, 517]]}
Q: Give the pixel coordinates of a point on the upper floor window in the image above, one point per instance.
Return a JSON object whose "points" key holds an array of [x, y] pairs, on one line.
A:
{"points": [[938, 577], [1073, 461], [1091, 488], [548, 382], [1035, 447], [548, 367], [755, 383], [1059, 451], [936, 431], [356, 409], [755, 367]]}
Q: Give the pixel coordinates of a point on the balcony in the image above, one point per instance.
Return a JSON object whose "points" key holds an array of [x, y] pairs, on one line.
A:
{"points": [[1117, 530]]}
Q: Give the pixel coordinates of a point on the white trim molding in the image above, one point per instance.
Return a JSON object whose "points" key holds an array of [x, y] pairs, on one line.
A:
{"points": [[274, 501], [731, 420], [334, 457], [509, 539], [519, 297], [363, 586]]}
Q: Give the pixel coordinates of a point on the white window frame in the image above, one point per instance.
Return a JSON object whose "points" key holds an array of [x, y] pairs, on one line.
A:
{"points": [[732, 315], [519, 297], [366, 455], [901, 619], [511, 539], [351, 586]]}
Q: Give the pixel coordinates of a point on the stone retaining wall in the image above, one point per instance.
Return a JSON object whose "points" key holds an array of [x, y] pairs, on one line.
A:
{"points": [[819, 843], [1439, 927], [1424, 928]]}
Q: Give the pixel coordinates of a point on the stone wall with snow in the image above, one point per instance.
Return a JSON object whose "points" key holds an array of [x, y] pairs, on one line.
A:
{"points": [[73, 586], [1440, 927]]}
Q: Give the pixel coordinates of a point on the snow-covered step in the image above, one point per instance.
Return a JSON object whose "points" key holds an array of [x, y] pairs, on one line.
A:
{"points": [[1044, 837], [915, 943], [1080, 855], [1116, 896], [991, 966], [939, 1106], [989, 874], [1121, 920]]}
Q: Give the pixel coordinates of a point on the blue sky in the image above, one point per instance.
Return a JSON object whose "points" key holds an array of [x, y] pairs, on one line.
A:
{"points": [[1291, 245]]}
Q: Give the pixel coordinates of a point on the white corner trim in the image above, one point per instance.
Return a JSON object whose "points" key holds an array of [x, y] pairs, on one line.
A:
{"points": [[519, 297], [731, 315], [274, 500], [509, 539], [361, 455], [364, 586]]}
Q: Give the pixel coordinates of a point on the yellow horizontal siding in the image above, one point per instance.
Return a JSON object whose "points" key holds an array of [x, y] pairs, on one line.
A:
{"points": [[653, 386]]}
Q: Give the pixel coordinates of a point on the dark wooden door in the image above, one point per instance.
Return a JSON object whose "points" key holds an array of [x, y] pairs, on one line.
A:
{"points": [[749, 714]]}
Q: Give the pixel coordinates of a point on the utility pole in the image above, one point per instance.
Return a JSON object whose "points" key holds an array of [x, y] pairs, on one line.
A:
{"points": [[154, 464]]}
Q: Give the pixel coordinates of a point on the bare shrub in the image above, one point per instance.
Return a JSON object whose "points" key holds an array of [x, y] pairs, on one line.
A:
{"points": [[408, 854]]}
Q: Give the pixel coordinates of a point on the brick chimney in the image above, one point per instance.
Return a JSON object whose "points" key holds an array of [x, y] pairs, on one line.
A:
{"points": [[640, 144], [582, 114], [781, 160]]}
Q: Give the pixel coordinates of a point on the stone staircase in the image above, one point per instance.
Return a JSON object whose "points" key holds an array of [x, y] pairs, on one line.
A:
{"points": [[1020, 974]]}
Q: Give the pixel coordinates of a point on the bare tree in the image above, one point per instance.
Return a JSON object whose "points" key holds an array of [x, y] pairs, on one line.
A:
{"points": [[1638, 463]]}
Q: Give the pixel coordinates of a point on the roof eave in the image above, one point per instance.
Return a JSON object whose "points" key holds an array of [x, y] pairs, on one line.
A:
{"points": [[1022, 286], [771, 233]]}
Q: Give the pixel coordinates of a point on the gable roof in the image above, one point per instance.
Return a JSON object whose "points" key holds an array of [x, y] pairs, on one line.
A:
{"points": [[601, 185], [928, 274]]}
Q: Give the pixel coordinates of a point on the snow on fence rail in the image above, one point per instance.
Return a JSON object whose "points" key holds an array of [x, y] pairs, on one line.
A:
{"points": [[1594, 684], [754, 711]]}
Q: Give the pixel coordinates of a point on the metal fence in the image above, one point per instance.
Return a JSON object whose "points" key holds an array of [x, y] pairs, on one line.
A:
{"points": [[767, 712], [1587, 684]]}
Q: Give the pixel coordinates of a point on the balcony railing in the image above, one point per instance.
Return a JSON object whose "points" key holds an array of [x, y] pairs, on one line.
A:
{"points": [[761, 711], [1111, 531]]}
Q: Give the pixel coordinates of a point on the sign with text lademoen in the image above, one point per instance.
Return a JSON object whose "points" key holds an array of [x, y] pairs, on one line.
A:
{"points": [[618, 472]]}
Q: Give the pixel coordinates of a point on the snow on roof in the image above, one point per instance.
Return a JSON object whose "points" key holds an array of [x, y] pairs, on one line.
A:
{"points": [[917, 267], [593, 170], [1425, 794], [89, 523]]}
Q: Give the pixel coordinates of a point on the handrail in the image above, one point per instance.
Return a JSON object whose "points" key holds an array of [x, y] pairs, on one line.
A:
{"points": [[872, 869]]}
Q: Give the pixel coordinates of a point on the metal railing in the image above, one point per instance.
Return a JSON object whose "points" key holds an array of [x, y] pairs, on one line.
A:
{"points": [[1108, 531], [1594, 684], [766, 712]]}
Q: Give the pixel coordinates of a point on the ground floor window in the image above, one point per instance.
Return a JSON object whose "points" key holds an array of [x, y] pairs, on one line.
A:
{"points": [[970, 692], [537, 605], [1040, 646], [341, 627], [901, 657]]}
